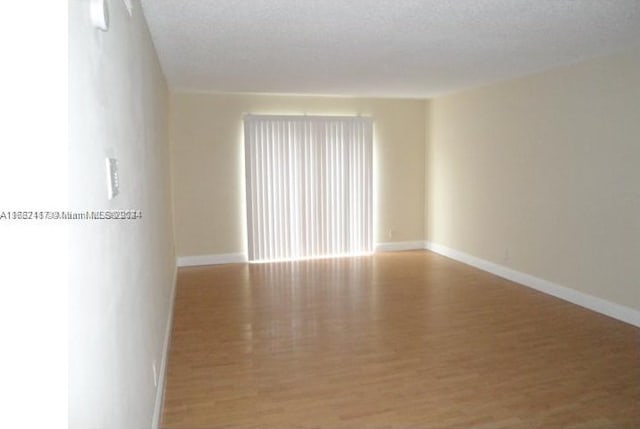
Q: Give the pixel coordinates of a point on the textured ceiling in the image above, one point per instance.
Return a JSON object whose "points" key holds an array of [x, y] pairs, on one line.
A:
{"points": [[388, 48]]}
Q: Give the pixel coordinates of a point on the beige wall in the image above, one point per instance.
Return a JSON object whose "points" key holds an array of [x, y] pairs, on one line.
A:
{"points": [[542, 174], [121, 272], [208, 164]]}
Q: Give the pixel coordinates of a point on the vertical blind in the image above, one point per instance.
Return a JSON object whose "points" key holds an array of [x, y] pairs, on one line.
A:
{"points": [[309, 186]]}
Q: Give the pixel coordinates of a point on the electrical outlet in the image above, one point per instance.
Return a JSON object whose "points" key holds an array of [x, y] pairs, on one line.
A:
{"points": [[390, 233], [155, 373], [506, 256], [113, 181]]}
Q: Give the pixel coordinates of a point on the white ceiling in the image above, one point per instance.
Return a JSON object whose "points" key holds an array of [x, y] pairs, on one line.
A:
{"points": [[388, 48]]}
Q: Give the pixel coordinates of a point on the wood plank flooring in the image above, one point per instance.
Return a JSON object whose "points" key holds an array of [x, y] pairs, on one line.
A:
{"points": [[394, 340]]}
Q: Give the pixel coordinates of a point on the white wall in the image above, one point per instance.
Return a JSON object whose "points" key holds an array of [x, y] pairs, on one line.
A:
{"points": [[122, 272], [33, 252], [208, 161], [542, 175]]}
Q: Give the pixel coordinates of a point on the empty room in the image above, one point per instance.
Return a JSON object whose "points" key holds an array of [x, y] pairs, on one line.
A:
{"points": [[353, 214]]}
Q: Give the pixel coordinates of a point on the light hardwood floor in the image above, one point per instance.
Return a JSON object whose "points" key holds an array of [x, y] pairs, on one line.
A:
{"points": [[394, 340]]}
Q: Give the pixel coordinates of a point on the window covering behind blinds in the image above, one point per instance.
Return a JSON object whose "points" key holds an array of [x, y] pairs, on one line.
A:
{"points": [[309, 186]]}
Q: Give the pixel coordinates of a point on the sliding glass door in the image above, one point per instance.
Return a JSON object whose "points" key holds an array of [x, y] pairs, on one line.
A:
{"points": [[309, 186]]}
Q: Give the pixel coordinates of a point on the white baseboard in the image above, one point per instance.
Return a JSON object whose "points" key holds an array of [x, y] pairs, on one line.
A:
{"points": [[234, 258], [157, 411], [396, 246], [222, 258], [611, 309]]}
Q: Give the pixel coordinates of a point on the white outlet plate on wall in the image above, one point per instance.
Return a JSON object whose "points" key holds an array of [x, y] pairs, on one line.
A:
{"points": [[155, 374], [113, 182]]}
